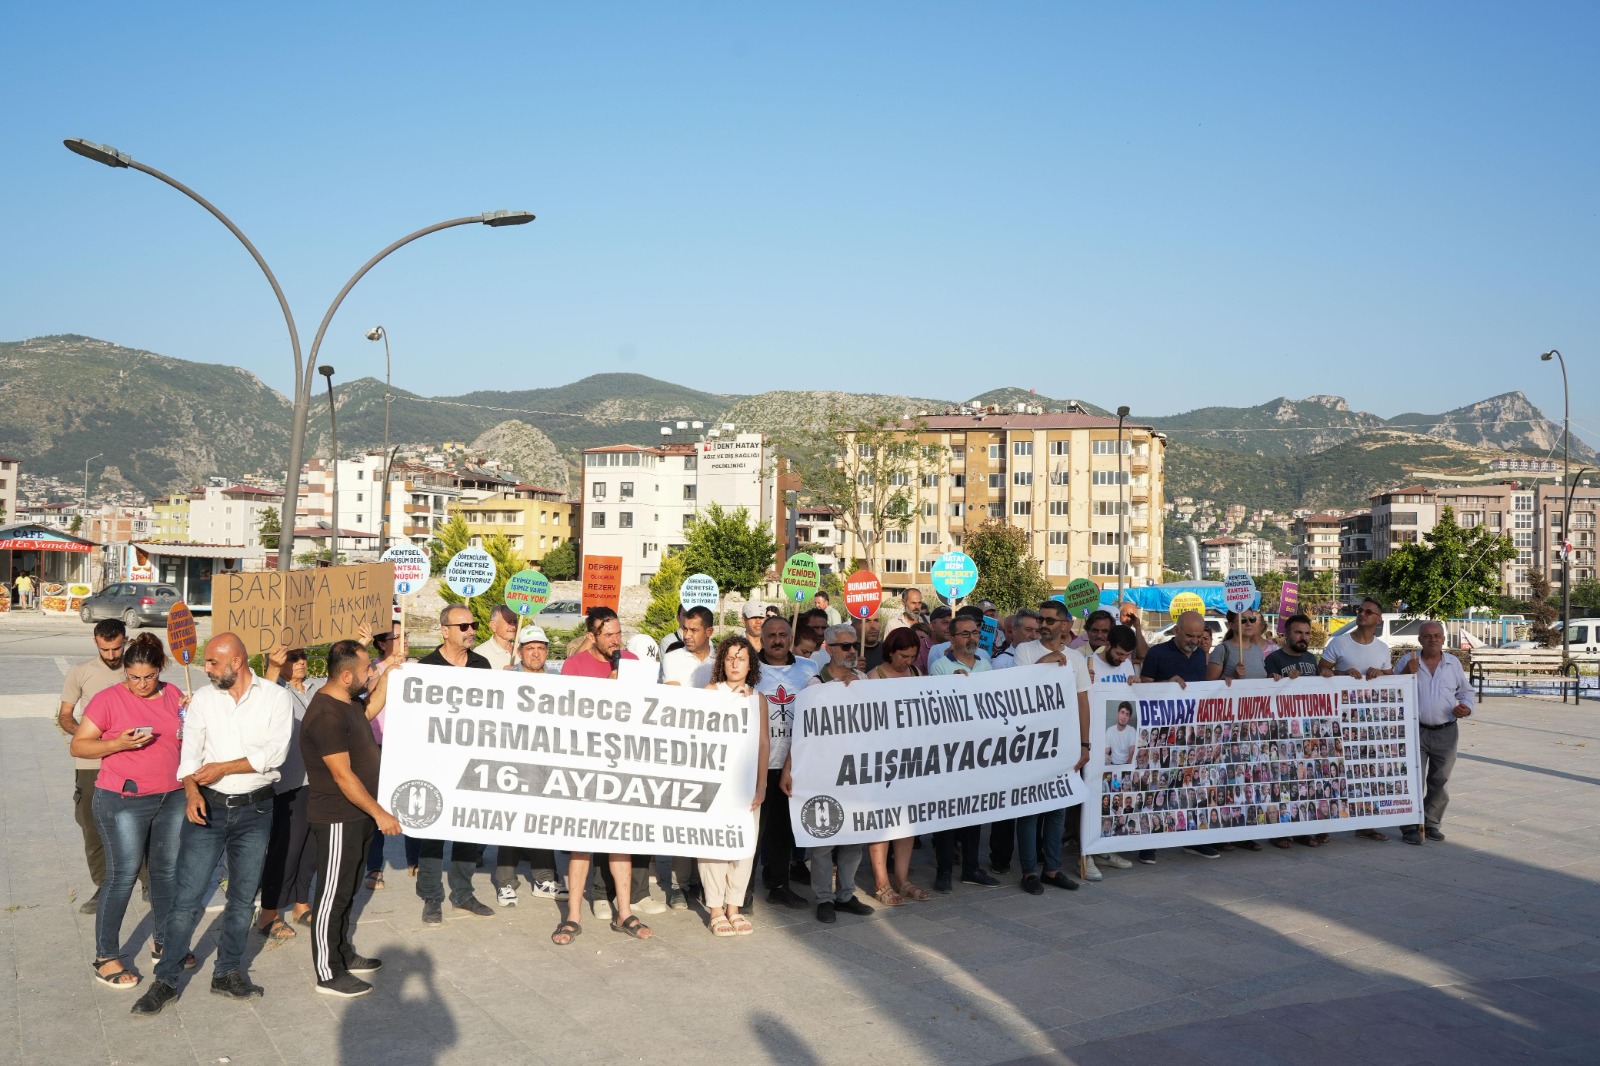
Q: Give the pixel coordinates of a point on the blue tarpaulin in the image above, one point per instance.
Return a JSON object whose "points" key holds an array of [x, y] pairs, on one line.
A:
{"points": [[1159, 597]]}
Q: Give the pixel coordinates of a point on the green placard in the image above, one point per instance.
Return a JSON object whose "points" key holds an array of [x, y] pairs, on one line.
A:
{"points": [[801, 576], [1082, 596]]}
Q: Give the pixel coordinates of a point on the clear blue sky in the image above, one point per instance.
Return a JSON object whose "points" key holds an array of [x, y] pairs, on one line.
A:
{"points": [[1168, 205]]}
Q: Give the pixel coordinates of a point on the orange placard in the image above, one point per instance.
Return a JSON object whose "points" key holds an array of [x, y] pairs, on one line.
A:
{"points": [[602, 581], [181, 639]]}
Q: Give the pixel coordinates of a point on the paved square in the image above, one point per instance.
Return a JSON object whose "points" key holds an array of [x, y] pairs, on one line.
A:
{"points": [[1482, 949]]}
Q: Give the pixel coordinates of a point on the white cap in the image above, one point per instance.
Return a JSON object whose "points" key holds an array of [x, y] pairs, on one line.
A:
{"points": [[754, 609], [643, 646], [530, 634]]}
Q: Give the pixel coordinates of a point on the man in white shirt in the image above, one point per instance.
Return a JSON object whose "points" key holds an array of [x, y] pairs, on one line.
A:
{"points": [[501, 648], [782, 678], [1024, 629], [1114, 660], [754, 614], [1120, 737], [235, 737], [690, 665], [1357, 652], [1444, 696], [822, 603], [910, 612]]}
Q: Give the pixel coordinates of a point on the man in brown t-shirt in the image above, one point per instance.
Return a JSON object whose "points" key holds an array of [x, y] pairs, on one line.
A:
{"points": [[341, 760], [84, 682]]}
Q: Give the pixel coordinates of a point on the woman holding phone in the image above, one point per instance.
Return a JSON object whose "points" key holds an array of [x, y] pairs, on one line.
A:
{"points": [[135, 730]]}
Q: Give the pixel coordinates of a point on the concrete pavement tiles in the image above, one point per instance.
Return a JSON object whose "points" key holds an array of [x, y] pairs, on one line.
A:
{"points": [[1484, 948]]}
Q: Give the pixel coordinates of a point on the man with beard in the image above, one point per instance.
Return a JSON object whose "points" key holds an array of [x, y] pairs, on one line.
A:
{"points": [[84, 682], [235, 736], [1295, 658], [782, 677], [341, 759]]}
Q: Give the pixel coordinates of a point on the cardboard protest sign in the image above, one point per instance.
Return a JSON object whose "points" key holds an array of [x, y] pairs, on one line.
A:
{"points": [[889, 758], [1238, 590], [527, 591], [1213, 762], [863, 594], [1187, 601], [181, 641], [302, 607], [602, 581], [698, 590], [411, 567], [573, 763], [800, 577], [470, 572], [954, 574], [1082, 597]]}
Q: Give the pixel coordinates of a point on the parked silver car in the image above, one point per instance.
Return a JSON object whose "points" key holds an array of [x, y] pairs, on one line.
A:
{"points": [[137, 603], [560, 614]]}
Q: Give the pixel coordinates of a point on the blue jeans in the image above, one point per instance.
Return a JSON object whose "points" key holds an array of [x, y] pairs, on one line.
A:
{"points": [[1028, 845], [241, 832], [431, 869], [132, 827]]}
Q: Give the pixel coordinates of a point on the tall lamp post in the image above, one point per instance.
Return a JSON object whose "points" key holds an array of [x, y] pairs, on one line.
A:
{"points": [[111, 157], [1122, 517], [373, 334], [1566, 511], [333, 460], [85, 505]]}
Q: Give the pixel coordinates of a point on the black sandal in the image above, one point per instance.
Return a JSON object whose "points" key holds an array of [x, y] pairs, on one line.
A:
{"points": [[632, 926], [571, 930], [113, 980], [156, 949]]}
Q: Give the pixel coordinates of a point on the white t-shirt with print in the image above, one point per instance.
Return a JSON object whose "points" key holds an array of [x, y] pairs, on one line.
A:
{"points": [[781, 684]]}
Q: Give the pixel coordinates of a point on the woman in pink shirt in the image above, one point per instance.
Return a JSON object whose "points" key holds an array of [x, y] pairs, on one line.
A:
{"points": [[135, 729]]}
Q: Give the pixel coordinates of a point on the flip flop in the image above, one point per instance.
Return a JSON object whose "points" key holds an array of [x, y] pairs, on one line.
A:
{"points": [[570, 930], [305, 919]]}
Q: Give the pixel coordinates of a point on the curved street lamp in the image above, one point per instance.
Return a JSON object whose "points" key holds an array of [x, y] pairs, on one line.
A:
{"points": [[111, 157], [1567, 484], [333, 462], [378, 333]]}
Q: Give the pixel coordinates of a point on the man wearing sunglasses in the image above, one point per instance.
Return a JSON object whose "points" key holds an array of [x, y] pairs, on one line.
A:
{"points": [[457, 636], [1357, 652]]}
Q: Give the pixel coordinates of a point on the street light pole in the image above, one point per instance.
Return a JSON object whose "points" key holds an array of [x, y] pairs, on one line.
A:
{"points": [[1566, 509], [375, 333], [333, 459], [111, 157], [1122, 507], [84, 507]]}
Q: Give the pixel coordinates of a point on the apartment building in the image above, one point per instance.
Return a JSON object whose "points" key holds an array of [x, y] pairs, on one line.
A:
{"points": [[816, 531], [1317, 542], [1355, 550], [419, 502], [10, 474], [535, 520], [1058, 477], [639, 501], [1249, 553], [229, 515], [170, 521]]}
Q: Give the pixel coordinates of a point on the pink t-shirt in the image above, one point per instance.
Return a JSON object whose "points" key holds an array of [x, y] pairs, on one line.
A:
{"points": [[585, 665], [154, 767]]}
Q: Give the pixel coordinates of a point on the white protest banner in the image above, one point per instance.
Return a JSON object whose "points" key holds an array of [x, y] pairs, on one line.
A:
{"points": [[876, 760], [1175, 767], [573, 763]]}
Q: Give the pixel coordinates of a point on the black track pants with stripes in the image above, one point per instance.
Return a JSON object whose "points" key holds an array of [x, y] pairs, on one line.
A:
{"points": [[341, 863]]}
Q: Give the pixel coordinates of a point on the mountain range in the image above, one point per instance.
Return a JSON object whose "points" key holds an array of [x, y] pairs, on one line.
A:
{"points": [[165, 423]]}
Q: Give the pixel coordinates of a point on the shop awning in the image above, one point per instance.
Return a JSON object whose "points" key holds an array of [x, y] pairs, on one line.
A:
{"points": [[201, 551], [35, 538]]}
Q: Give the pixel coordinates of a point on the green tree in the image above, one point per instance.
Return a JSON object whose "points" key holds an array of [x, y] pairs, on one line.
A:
{"points": [[868, 472], [1316, 594], [506, 563], [1586, 595], [561, 562], [269, 526], [1008, 573], [661, 617], [730, 547], [1456, 569], [77, 523], [450, 538], [320, 557], [1270, 585]]}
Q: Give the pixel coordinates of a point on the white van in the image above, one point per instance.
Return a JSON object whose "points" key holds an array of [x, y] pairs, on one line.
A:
{"points": [[1398, 631], [1585, 637]]}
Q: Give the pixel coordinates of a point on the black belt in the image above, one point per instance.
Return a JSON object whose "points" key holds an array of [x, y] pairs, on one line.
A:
{"points": [[237, 799], [1446, 725]]}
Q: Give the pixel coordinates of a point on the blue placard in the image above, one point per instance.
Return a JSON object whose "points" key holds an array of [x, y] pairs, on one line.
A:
{"points": [[954, 575], [989, 634]]}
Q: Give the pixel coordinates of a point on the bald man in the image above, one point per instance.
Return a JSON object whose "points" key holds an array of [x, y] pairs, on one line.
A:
{"points": [[235, 737]]}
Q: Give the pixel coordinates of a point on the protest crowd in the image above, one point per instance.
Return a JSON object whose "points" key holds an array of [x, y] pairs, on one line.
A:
{"points": [[278, 773]]}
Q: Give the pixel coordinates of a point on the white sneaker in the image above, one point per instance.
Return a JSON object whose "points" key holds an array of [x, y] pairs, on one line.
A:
{"points": [[549, 890], [1091, 872], [508, 895], [1116, 862], [602, 910], [650, 905]]}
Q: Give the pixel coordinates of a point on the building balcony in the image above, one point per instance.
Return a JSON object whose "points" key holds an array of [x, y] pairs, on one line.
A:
{"points": [[417, 530], [417, 508]]}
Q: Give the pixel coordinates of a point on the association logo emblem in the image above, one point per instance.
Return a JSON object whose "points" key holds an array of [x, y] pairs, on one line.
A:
{"points": [[822, 816], [783, 699], [417, 804]]}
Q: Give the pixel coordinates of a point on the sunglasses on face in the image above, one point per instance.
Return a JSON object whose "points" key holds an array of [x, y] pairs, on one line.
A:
{"points": [[464, 627], [850, 644], [1250, 621]]}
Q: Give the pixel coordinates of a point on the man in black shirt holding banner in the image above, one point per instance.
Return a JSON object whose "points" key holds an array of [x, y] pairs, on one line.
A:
{"points": [[341, 760]]}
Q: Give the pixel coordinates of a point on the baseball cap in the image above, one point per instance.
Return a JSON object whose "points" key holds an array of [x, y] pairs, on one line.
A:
{"points": [[754, 609], [941, 611], [531, 634]]}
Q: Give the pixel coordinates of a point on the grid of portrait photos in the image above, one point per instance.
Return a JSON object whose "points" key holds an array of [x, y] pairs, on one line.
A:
{"points": [[1255, 772]]}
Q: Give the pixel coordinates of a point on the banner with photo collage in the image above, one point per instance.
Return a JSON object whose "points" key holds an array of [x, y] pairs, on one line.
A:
{"points": [[1176, 767]]}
